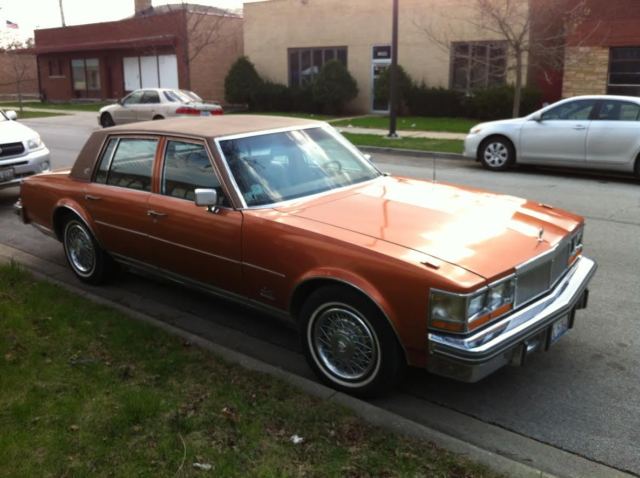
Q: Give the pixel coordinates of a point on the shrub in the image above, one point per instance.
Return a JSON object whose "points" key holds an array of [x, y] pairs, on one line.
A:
{"points": [[497, 103], [334, 87], [405, 87], [272, 97], [242, 82], [439, 102]]}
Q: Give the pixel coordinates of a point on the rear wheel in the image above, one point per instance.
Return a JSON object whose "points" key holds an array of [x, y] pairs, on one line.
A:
{"points": [[158, 117], [637, 168], [497, 154], [89, 262], [348, 342], [106, 120]]}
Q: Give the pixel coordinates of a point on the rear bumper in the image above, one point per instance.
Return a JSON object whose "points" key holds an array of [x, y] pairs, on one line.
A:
{"points": [[473, 357], [24, 166]]}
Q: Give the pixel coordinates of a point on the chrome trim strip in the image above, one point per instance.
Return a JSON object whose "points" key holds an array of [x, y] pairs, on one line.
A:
{"points": [[207, 288], [486, 344], [44, 230], [138, 233], [193, 249], [269, 271], [73, 210]]}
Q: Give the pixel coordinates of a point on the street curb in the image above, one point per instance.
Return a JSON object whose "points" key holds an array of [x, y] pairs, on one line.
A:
{"points": [[412, 152], [370, 413]]}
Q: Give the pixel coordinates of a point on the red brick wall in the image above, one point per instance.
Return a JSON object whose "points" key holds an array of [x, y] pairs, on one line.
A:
{"points": [[610, 23], [29, 83]]}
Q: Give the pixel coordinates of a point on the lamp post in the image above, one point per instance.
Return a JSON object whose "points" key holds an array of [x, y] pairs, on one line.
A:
{"points": [[393, 113]]}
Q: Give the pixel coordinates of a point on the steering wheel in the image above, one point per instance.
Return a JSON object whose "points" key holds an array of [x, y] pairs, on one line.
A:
{"points": [[332, 167]]}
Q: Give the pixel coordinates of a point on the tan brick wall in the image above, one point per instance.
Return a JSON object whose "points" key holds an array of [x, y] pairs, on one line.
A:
{"points": [[29, 85], [273, 26], [586, 71], [209, 66]]}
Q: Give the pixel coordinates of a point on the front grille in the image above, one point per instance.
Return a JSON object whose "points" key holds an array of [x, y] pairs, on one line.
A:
{"points": [[540, 275], [11, 149]]}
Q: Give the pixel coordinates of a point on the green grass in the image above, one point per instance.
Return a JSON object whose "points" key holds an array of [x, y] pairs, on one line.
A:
{"points": [[418, 144], [292, 115], [57, 106], [415, 123], [86, 391]]}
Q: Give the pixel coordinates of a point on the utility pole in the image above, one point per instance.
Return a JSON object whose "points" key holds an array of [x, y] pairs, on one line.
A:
{"points": [[393, 114], [62, 13]]}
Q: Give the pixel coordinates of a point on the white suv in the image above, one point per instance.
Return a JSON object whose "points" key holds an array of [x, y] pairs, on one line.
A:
{"points": [[22, 152]]}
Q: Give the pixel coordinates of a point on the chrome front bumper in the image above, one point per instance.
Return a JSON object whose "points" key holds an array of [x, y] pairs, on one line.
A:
{"points": [[470, 358], [34, 162]]}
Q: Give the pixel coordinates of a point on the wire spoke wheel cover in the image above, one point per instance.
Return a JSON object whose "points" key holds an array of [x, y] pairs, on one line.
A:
{"points": [[343, 343], [80, 249]]}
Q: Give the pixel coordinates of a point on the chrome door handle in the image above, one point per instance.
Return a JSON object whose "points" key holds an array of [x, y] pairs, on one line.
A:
{"points": [[89, 197], [153, 213], [579, 127]]}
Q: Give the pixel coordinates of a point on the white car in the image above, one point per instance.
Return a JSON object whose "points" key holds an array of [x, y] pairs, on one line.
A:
{"points": [[22, 152], [597, 132], [155, 104]]}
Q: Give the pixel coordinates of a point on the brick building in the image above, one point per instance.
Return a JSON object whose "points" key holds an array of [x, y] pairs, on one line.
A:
{"points": [[18, 74], [186, 46]]}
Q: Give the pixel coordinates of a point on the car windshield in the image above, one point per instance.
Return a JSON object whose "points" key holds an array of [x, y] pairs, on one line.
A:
{"points": [[274, 167], [177, 96]]}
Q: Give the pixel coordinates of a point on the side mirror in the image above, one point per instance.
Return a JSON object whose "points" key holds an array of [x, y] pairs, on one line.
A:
{"points": [[537, 117], [206, 198], [12, 115], [367, 156]]}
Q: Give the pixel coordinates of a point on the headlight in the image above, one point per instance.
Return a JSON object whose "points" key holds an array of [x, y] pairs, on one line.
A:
{"points": [[34, 143], [465, 312], [475, 129]]}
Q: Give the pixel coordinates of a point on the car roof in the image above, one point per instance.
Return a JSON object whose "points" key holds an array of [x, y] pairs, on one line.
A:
{"points": [[214, 126], [208, 128]]}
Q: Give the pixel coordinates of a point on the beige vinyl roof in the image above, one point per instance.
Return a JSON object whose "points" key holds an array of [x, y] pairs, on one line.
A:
{"points": [[213, 126]]}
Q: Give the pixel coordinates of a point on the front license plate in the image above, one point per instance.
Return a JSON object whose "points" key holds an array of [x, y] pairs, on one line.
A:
{"points": [[7, 174], [559, 328], [205, 113]]}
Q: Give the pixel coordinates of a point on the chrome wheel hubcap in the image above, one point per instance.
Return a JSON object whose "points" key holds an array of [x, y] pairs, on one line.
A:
{"points": [[496, 155], [80, 249], [344, 343]]}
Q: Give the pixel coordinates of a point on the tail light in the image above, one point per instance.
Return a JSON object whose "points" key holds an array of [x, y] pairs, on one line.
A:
{"points": [[187, 110], [217, 112]]}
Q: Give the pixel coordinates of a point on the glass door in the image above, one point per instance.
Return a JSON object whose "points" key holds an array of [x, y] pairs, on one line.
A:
{"points": [[380, 62]]}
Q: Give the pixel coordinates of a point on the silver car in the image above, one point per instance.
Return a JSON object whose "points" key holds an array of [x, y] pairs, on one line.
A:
{"points": [[597, 132], [154, 104], [22, 152]]}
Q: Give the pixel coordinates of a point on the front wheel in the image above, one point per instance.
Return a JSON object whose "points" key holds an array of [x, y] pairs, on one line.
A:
{"points": [[89, 262], [348, 342], [497, 154], [106, 120]]}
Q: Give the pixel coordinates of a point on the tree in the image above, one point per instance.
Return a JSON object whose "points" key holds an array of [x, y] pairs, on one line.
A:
{"points": [[242, 82], [534, 33], [334, 86], [19, 66]]}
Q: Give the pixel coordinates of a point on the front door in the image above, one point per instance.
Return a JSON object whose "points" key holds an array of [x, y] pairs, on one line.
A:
{"points": [[189, 240], [149, 106], [380, 62], [126, 113], [560, 136]]}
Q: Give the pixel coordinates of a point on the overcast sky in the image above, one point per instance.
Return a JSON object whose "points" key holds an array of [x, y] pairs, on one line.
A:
{"points": [[31, 14]]}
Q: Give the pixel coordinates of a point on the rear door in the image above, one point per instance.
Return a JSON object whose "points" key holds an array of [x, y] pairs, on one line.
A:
{"points": [[560, 137], [614, 135], [118, 195]]}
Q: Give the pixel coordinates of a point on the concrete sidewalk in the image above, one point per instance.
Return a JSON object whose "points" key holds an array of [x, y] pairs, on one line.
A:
{"points": [[404, 133]]}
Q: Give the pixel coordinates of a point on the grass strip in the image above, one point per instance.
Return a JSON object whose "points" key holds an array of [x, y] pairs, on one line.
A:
{"points": [[37, 114], [418, 144], [85, 391], [44, 105], [412, 123]]}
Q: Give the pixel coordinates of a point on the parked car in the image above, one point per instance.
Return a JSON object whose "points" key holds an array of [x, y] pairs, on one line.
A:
{"points": [[22, 151], [155, 104], [284, 214], [598, 132]]}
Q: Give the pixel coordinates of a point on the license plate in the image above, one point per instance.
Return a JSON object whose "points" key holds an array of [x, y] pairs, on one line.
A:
{"points": [[7, 174], [559, 328], [205, 113]]}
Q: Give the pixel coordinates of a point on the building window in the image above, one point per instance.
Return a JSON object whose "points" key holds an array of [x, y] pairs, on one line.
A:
{"points": [[56, 67], [153, 71], [477, 65], [305, 63], [624, 71], [86, 75]]}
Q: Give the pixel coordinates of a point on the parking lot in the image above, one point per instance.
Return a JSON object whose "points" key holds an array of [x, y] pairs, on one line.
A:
{"points": [[581, 397]]}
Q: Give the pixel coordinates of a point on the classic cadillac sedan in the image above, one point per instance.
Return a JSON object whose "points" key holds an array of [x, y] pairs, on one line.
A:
{"points": [[379, 272]]}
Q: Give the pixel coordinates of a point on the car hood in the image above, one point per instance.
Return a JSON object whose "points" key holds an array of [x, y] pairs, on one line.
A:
{"points": [[108, 108], [13, 132], [512, 121], [487, 234]]}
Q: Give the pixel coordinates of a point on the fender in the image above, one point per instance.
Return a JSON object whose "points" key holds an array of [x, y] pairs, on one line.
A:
{"points": [[78, 210]]}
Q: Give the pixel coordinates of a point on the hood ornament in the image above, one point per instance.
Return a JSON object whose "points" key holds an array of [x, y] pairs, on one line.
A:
{"points": [[540, 234]]}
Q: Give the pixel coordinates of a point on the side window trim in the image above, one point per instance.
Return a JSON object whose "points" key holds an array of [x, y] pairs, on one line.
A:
{"points": [[105, 149]]}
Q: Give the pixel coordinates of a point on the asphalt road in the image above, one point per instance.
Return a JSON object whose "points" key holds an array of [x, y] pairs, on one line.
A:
{"points": [[583, 396]]}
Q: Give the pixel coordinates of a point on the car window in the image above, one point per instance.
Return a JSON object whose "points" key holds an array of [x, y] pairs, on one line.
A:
{"points": [[128, 163], [274, 167], [613, 110], [133, 99], [171, 96], [150, 97], [186, 168], [573, 110]]}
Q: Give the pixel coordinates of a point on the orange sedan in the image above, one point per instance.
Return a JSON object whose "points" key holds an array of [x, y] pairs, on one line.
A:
{"points": [[379, 272]]}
